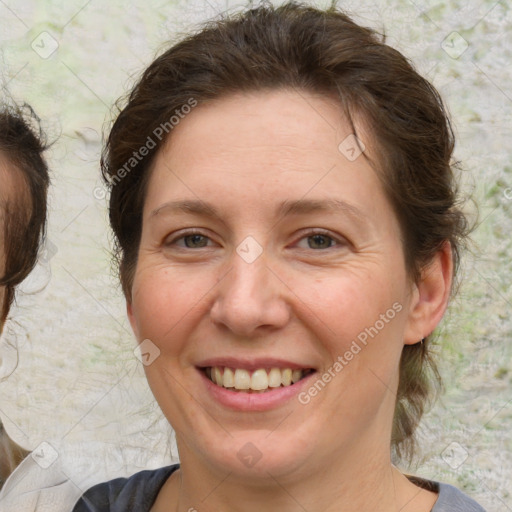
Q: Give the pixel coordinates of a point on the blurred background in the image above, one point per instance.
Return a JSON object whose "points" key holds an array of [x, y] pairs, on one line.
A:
{"points": [[78, 387]]}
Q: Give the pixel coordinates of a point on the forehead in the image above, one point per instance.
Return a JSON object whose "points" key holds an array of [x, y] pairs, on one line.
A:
{"points": [[268, 130], [278, 120], [13, 187], [14, 192], [284, 142]]}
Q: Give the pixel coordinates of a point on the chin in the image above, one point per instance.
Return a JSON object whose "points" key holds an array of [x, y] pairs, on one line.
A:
{"points": [[254, 456]]}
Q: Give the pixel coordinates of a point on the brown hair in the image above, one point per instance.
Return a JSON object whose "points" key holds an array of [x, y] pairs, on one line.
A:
{"points": [[22, 144], [325, 52]]}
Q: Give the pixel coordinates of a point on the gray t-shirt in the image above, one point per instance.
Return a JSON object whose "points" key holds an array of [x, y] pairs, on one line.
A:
{"points": [[138, 493], [452, 500]]}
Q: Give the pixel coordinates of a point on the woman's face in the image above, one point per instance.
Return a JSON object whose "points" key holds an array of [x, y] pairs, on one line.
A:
{"points": [[300, 268]]}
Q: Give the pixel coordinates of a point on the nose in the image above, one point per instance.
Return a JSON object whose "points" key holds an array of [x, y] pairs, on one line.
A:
{"points": [[251, 299]]}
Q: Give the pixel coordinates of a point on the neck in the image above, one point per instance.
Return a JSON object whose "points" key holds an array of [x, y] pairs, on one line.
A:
{"points": [[348, 484]]}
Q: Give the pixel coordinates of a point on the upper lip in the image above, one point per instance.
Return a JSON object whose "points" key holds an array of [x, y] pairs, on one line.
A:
{"points": [[251, 363]]}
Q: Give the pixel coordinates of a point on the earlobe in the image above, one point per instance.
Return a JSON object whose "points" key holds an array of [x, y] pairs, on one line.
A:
{"points": [[430, 296]]}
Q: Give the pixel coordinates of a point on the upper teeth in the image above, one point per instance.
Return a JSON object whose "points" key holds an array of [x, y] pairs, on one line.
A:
{"points": [[260, 379]]}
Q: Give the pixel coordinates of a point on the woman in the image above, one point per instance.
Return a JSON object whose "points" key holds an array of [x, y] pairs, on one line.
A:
{"points": [[24, 184], [24, 180], [288, 234]]}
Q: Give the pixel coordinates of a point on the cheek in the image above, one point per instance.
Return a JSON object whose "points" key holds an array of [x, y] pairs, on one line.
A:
{"points": [[348, 302], [360, 318], [165, 303]]}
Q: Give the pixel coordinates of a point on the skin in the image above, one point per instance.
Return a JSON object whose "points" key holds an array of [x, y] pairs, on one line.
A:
{"points": [[6, 191], [304, 299], [14, 193]]}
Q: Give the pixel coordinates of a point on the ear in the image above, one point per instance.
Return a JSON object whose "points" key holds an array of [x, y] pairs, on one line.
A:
{"points": [[430, 296]]}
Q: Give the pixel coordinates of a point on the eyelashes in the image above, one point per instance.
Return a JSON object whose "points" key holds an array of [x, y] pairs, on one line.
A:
{"points": [[320, 235], [194, 239], [190, 236]]}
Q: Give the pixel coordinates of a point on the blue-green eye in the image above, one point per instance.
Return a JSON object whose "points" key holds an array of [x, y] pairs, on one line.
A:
{"points": [[195, 241], [315, 240], [319, 240], [191, 241]]}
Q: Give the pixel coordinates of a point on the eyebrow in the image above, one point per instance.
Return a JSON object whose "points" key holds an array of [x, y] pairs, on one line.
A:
{"points": [[286, 208]]}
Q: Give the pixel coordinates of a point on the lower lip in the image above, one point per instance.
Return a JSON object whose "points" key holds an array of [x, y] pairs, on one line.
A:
{"points": [[255, 402]]}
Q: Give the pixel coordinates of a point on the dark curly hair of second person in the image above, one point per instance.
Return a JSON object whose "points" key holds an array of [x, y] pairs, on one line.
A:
{"points": [[24, 182]]}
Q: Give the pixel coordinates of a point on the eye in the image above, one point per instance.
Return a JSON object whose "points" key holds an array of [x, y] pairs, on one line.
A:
{"points": [[189, 240], [319, 240], [315, 240]]}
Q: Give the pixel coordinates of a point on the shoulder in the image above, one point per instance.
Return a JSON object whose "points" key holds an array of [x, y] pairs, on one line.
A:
{"points": [[137, 492], [452, 500]]}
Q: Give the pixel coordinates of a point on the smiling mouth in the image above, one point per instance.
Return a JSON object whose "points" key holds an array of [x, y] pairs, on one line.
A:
{"points": [[261, 380]]}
